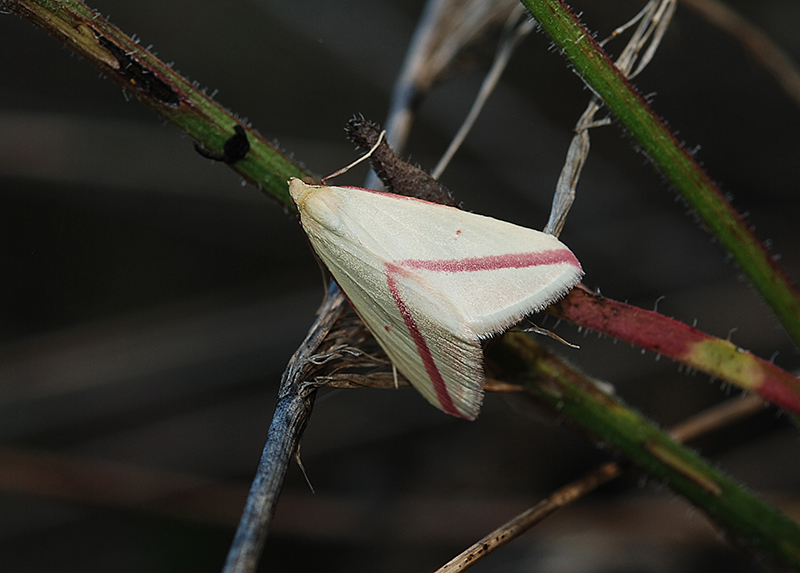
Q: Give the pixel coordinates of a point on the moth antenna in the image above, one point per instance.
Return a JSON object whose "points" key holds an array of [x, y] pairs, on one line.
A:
{"points": [[394, 375], [347, 168], [303, 469], [551, 334]]}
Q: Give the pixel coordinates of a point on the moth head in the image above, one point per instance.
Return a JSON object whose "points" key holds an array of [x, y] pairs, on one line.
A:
{"points": [[300, 191], [317, 205]]}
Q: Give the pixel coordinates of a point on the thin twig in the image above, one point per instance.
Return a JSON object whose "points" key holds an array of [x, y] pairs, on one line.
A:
{"points": [[295, 402], [338, 348], [332, 354], [653, 20], [702, 423], [408, 83], [718, 416], [518, 25], [673, 159], [757, 43], [444, 29]]}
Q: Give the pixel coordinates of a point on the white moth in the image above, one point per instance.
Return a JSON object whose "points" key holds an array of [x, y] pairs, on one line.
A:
{"points": [[431, 281]]}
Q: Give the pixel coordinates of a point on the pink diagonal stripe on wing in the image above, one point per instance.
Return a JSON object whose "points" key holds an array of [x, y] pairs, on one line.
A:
{"points": [[469, 264], [439, 385], [494, 262]]}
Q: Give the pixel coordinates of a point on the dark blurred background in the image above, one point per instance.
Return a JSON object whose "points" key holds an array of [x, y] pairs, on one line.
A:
{"points": [[150, 300]]}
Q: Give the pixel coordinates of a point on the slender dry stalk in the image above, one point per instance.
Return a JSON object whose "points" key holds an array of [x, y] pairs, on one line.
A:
{"points": [[705, 422], [776, 61]]}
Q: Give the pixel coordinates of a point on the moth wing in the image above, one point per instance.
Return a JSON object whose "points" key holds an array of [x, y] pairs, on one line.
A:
{"points": [[430, 280], [423, 334], [495, 273]]}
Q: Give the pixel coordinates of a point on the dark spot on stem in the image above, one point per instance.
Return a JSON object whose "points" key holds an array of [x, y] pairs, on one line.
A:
{"points": [[139, 77], [235, 148]]}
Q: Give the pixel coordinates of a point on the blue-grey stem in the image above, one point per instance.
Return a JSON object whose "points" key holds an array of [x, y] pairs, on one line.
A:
{"points": [[295, 402]]}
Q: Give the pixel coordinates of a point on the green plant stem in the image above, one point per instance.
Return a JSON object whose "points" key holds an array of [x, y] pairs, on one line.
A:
{"points": [[741, 514], [672, 159], [745, 519], [155, 83], [668, 337]]}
